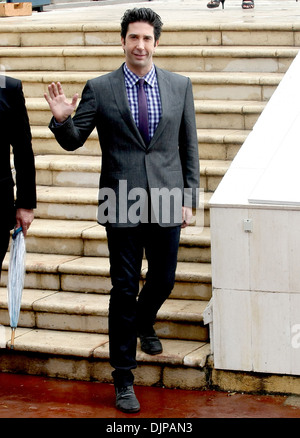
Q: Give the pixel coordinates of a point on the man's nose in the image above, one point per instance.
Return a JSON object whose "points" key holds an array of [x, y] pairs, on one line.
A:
{"points": [[140, 44]]}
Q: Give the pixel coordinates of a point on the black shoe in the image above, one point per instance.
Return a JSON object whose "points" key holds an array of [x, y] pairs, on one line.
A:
{"points": [[126, 400], [151, 344], [248, 4], [215, 4]]}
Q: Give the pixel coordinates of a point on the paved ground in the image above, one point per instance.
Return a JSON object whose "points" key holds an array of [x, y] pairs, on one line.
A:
{"points": [[37, 397], [171, 11]]}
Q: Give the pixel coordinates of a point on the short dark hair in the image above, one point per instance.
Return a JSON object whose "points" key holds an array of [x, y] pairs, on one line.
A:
{"points": [[141, 14]]}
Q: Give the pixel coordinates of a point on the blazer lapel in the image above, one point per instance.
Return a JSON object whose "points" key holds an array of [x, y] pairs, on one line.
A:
{"points": [[164, 90], [120, 95]]}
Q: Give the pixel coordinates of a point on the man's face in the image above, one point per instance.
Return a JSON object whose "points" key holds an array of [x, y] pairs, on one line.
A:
{"points": [[139, 47]]}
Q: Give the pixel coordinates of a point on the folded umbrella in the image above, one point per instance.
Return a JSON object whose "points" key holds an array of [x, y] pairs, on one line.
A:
{"points": [[16, 275]]}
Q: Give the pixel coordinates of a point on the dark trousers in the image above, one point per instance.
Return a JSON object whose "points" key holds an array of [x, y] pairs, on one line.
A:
{"points": [[131, 312], [4, 242]]}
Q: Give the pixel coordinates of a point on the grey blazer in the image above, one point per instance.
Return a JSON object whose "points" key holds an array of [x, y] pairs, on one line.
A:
{"points": [[167, 171]]}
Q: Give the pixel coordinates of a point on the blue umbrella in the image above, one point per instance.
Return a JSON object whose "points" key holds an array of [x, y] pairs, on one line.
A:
{"points": [[16, 274]]}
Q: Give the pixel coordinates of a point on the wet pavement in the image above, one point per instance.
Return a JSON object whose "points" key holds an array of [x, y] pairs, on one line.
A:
{"points": [[23, 396]]}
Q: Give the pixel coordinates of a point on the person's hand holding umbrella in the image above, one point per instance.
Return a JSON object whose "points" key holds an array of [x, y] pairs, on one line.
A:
{"points": [[24, 218], [16, 270]]}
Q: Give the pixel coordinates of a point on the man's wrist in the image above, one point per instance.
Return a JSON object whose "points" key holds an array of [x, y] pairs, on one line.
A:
{"points": [[59, 122]]}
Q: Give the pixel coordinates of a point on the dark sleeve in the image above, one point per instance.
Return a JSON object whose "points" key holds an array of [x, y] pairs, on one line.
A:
{"points": [[21, 142], [188, 147]]}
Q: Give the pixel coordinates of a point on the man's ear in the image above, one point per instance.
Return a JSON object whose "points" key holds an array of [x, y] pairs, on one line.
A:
{"points": [[123, 42]]}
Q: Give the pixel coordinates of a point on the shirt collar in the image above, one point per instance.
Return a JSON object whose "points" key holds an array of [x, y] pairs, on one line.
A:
{"points": [[131, 78]]}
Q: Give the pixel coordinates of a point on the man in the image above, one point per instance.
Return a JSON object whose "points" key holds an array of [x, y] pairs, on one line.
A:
{"points": [[15, 132], [143, 176]]}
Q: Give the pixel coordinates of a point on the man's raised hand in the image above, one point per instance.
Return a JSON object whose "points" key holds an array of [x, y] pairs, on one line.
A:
{"points": [[60, 107]]}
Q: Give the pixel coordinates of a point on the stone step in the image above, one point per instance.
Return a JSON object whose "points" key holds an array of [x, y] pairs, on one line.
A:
{"points": [[99, 34], [72, 203], [87, 238], [68, 170], [83, 171], [108, 33], [71, 273], [181, 58], [85, 356], [223, 114], [210, 114], [227, 85], [86, 312], [214, 144], [234, 85], [43, 142], [80, 203], [220, 144]]}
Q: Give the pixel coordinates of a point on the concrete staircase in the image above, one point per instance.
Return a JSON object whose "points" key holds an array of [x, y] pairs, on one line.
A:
{"points": [[63, 323]]}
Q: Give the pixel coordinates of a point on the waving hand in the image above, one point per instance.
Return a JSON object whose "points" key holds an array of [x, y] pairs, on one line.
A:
{"points": [[61, 108]]}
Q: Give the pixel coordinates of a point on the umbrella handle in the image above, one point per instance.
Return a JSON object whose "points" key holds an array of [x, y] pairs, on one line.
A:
{"points": [[16, 232], [12, 340]]}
